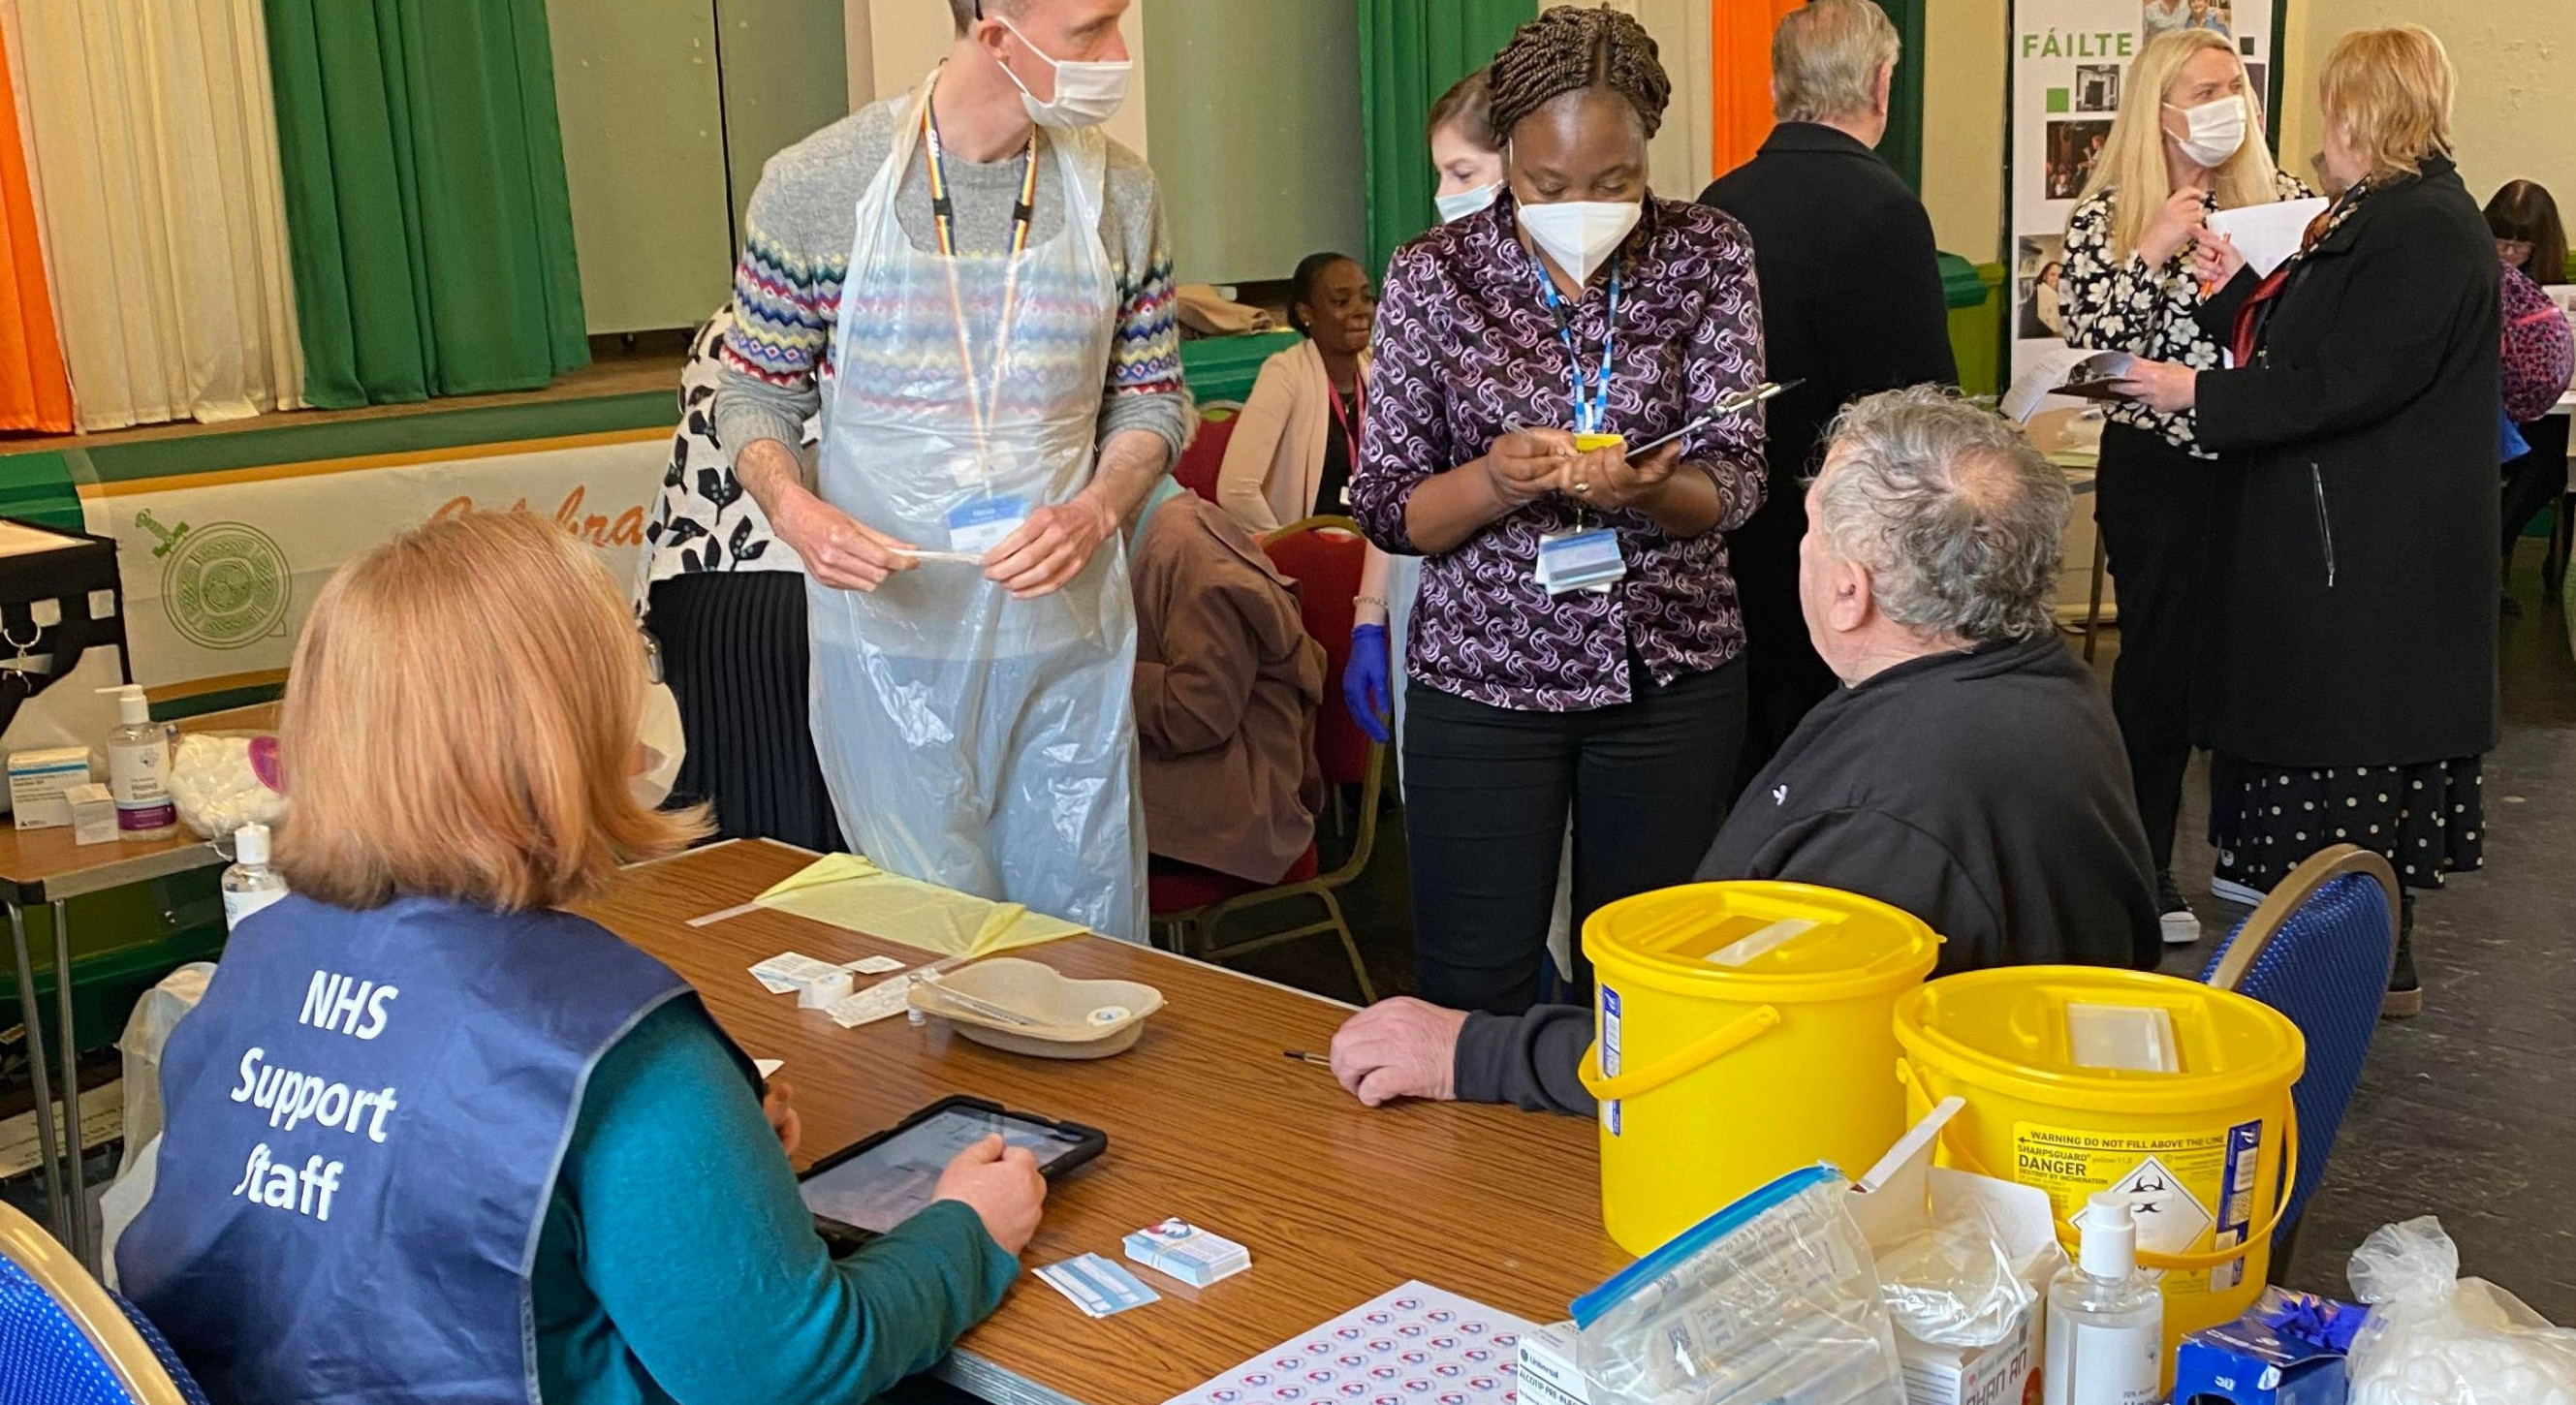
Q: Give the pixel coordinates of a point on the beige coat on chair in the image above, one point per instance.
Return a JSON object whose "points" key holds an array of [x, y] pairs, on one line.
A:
{"points": [[1275, 461]]}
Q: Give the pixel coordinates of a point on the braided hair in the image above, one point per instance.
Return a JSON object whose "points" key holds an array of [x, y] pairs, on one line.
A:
{"points": [[1568, 50]]}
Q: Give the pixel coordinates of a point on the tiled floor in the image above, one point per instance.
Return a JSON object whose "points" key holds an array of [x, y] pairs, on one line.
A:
{"points": [[2468, 1112]]}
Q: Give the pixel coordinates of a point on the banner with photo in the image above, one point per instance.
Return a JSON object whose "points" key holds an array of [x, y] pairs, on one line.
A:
{"points": [[220, 569], [2070, 61]]}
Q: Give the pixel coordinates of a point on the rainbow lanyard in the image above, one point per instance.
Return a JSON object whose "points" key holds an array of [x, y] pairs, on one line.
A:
{"points": [[1591, 392], [981, 403]]}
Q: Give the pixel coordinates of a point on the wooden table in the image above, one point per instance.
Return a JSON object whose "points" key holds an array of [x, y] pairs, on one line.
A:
{"points": [[1205, 1120], [40, 867]]}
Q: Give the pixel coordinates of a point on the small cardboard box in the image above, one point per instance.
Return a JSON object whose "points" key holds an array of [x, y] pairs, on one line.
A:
{"points": [[1550, 1370], [37, 780], [2246, 1363], [93, 812], [1903, 1194]]}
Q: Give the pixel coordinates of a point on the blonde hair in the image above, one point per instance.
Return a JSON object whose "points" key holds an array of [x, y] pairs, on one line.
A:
{"points": [[1825, 58], [2132, 165], [2392, 90], [461, 723]]}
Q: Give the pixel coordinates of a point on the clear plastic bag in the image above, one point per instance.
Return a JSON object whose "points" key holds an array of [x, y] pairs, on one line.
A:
{"points": [[221, 781], [2435, 1338], [1772, 1301], [1955, 1284]]}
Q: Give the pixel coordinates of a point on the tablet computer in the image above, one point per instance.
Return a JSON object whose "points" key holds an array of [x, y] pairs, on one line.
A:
{"points": [[865, 1190]]}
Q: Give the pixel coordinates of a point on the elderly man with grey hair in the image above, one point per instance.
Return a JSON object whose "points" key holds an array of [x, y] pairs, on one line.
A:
{"points": [[1967, 769]]}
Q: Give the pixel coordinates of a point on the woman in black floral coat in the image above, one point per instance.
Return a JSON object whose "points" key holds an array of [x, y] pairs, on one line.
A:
{"points": [[2186, 142], [726, 600]]}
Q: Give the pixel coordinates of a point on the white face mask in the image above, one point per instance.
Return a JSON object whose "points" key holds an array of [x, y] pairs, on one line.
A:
{"points": [[1580, 234], [1454, 208], [2217, 132], [665, 747], [1086, 94]]}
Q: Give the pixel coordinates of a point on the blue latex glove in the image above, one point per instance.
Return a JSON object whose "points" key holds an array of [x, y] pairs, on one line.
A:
{"points": [[1364, 682]]}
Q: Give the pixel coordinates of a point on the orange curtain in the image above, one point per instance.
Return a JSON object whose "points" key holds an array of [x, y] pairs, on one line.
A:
{"points": [[34, 392], [1740, 80]]}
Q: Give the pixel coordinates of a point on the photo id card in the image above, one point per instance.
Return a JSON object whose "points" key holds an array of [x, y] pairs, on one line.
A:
{"points": [[980, 525], [1582, 560]]}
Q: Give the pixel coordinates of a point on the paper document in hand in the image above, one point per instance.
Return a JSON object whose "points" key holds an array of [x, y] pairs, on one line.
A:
{"points": [[2267, 234], [1415, 1343], [2070, 370]]}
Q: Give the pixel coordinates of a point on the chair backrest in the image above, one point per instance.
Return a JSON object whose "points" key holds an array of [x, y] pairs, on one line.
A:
{"points": [[1323, 555], [1205, 457], [2319, 950], [64, 1339]]}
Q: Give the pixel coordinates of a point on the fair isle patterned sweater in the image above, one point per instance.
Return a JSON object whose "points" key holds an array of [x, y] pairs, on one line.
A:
{"points": [[796, 252]]}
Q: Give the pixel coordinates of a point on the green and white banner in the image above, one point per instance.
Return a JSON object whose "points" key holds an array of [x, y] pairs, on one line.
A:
{"points": [[2070, 63], [221, 568]]}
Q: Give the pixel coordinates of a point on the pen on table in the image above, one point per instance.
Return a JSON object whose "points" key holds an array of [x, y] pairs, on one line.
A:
{"points": [[1303, 1057]]}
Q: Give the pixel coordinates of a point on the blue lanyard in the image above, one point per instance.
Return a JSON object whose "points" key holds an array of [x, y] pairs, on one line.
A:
{"points": [[1591, 393]]}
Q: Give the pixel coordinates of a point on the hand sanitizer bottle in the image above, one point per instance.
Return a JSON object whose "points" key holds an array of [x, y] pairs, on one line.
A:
{"points": [[250, 884], [138, 768], [2106, 1319]]}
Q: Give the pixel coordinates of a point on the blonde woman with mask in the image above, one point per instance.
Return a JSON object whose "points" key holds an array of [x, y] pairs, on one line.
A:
{"points": [[2188, 141]]}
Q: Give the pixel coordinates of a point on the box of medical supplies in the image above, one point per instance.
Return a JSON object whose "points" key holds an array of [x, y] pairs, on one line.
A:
{"points": [[1550, 1371], [38, 780], [2288, 1351]]}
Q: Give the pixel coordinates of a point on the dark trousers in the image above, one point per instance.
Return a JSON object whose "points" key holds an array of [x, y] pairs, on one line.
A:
{"points": [[1783, 674], [1487, 790], [734, 652], [2536, 479], [2155, 509]]}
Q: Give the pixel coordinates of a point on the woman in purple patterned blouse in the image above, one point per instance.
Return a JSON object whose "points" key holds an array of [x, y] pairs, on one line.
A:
{"points": [[1624, 699]]}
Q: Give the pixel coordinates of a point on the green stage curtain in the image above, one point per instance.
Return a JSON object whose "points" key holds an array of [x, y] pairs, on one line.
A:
{"points": [[1410, 52], [425, 198]]}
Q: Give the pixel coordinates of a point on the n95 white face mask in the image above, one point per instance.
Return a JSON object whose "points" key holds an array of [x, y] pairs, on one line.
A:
{"points": [[2217, 132], [1454, 208], [1580, 234], [1086, 94]]}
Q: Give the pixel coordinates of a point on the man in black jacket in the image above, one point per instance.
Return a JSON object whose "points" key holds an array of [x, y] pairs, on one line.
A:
{"points": [[1851, 304], [1967, 770]]}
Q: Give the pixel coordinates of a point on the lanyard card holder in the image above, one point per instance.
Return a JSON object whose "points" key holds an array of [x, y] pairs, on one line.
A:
{"points": [[1580, 561], [979, 525]]}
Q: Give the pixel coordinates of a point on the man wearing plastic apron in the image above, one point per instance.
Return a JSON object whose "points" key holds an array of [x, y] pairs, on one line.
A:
{"points": [[973, 634]]}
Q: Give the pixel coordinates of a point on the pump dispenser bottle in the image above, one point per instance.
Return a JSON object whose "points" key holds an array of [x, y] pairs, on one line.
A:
{"points": [[138, 769], [2106, 1319]]}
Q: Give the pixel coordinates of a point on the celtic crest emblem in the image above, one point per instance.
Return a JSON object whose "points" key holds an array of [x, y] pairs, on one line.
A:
{"points": [[225, 585]]}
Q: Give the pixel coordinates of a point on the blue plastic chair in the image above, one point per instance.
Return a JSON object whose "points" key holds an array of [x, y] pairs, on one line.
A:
{"points": [[64, 1340], [2318, 950]]}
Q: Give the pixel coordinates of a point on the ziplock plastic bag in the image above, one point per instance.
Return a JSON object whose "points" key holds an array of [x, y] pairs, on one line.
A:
{"points": [[221, 781], [1954, 1284], [1772, 1301], [2435, 1338]]}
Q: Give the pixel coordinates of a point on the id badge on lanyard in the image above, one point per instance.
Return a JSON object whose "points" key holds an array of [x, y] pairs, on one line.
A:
{"points": [[1587, 558], [987, 519]]}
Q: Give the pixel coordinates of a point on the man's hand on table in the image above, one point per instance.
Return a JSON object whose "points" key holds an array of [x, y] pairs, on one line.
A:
{"points": [[1002, 1186], [1400, 1048]]}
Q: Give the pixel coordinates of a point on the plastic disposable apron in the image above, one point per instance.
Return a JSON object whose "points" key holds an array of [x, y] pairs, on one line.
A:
{"points": [[969, 739]]}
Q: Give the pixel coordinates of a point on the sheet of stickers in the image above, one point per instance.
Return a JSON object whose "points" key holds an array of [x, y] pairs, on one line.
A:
{"points": [[1417, 1345]]}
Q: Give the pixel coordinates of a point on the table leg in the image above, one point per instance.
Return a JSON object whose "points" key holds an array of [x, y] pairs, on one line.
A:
{"points": [[2093, 609], [53, 1172], [74, 1190]]}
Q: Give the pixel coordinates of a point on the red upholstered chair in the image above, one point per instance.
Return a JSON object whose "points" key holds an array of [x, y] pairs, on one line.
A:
{"points": [[1323, 555], [1201, 461]]}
